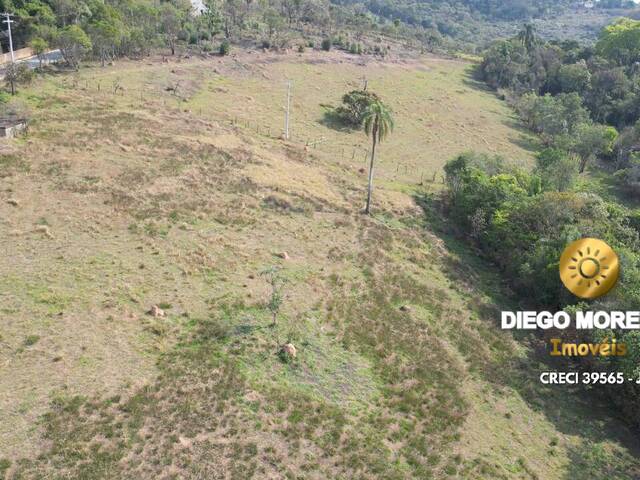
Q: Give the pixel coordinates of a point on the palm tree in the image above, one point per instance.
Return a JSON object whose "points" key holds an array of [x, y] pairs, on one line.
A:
{"points": [[527, 37], [378, 123]]}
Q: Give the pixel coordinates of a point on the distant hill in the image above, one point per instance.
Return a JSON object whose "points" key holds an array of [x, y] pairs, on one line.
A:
{"points": [[480, 21]]}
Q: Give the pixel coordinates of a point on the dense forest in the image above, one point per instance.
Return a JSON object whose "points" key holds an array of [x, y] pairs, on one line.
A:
{"points": [[584, 103], [132, 27]]}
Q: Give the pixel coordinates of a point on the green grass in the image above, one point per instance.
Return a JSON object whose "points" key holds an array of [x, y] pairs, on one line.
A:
{"points": [[603, 183], [31, 340]]}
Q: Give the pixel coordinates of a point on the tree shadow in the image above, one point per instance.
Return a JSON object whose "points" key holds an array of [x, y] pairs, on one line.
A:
{"points": [[527, 140], [473, 79], [566, 407], [332, 119]]}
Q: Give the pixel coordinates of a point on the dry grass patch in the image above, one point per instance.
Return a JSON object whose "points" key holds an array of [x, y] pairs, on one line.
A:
{"points": [[145, 197]]}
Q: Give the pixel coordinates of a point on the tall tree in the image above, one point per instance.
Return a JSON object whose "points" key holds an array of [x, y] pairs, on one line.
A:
{"points": [[170, 24], [105, 36], [378, 124], [16, 73], [620, 41], [73, 43], [39, 46], [591, 141], [212, 16], [527, 37]]}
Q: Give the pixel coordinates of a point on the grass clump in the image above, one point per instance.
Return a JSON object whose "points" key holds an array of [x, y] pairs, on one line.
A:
{"points": [[31, 340]]}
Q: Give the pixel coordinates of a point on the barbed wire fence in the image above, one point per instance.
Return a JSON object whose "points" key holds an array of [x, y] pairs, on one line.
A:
{"points": [[354, 154]]}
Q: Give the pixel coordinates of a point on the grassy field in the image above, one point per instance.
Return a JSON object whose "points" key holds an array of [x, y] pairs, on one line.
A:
{"points": [[126, 194]]}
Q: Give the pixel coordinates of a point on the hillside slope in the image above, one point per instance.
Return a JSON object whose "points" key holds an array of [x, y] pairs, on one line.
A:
{"points": [[126, 195], [476, 24]]}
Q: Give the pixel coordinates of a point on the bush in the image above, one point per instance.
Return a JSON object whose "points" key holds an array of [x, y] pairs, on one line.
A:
{"points": [[301, 48], [225, 47], [557, 169], [16, 74], [326, 44], [73, 43], [354, 105], [266, 44], [629, 178], [39, 46], [524, 230]]}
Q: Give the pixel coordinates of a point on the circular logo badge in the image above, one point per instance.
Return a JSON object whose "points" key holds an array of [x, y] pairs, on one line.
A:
{"points": [[589, 268]]}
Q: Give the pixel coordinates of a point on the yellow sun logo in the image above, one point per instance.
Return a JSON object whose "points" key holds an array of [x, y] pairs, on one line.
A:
{"points": [[589, 268]]}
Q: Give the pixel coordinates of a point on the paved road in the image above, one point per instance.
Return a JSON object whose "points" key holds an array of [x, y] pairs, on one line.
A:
{"points": [[33, 62]]}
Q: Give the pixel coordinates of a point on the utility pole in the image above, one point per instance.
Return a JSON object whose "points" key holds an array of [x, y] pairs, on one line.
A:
{"points": [[286, 115], [8, 21]]}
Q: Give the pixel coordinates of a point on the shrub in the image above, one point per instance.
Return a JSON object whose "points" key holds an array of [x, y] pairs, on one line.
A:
{"points": [[266, 44], [73, 43], [326, 44], [629, 178], [354, 105], [225, 47], [557, 169], [301, 48], [524, 230], [39, 46], [17, 73]]}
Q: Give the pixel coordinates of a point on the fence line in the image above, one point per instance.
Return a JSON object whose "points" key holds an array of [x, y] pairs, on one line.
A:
{"points": [[353, 153]]}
